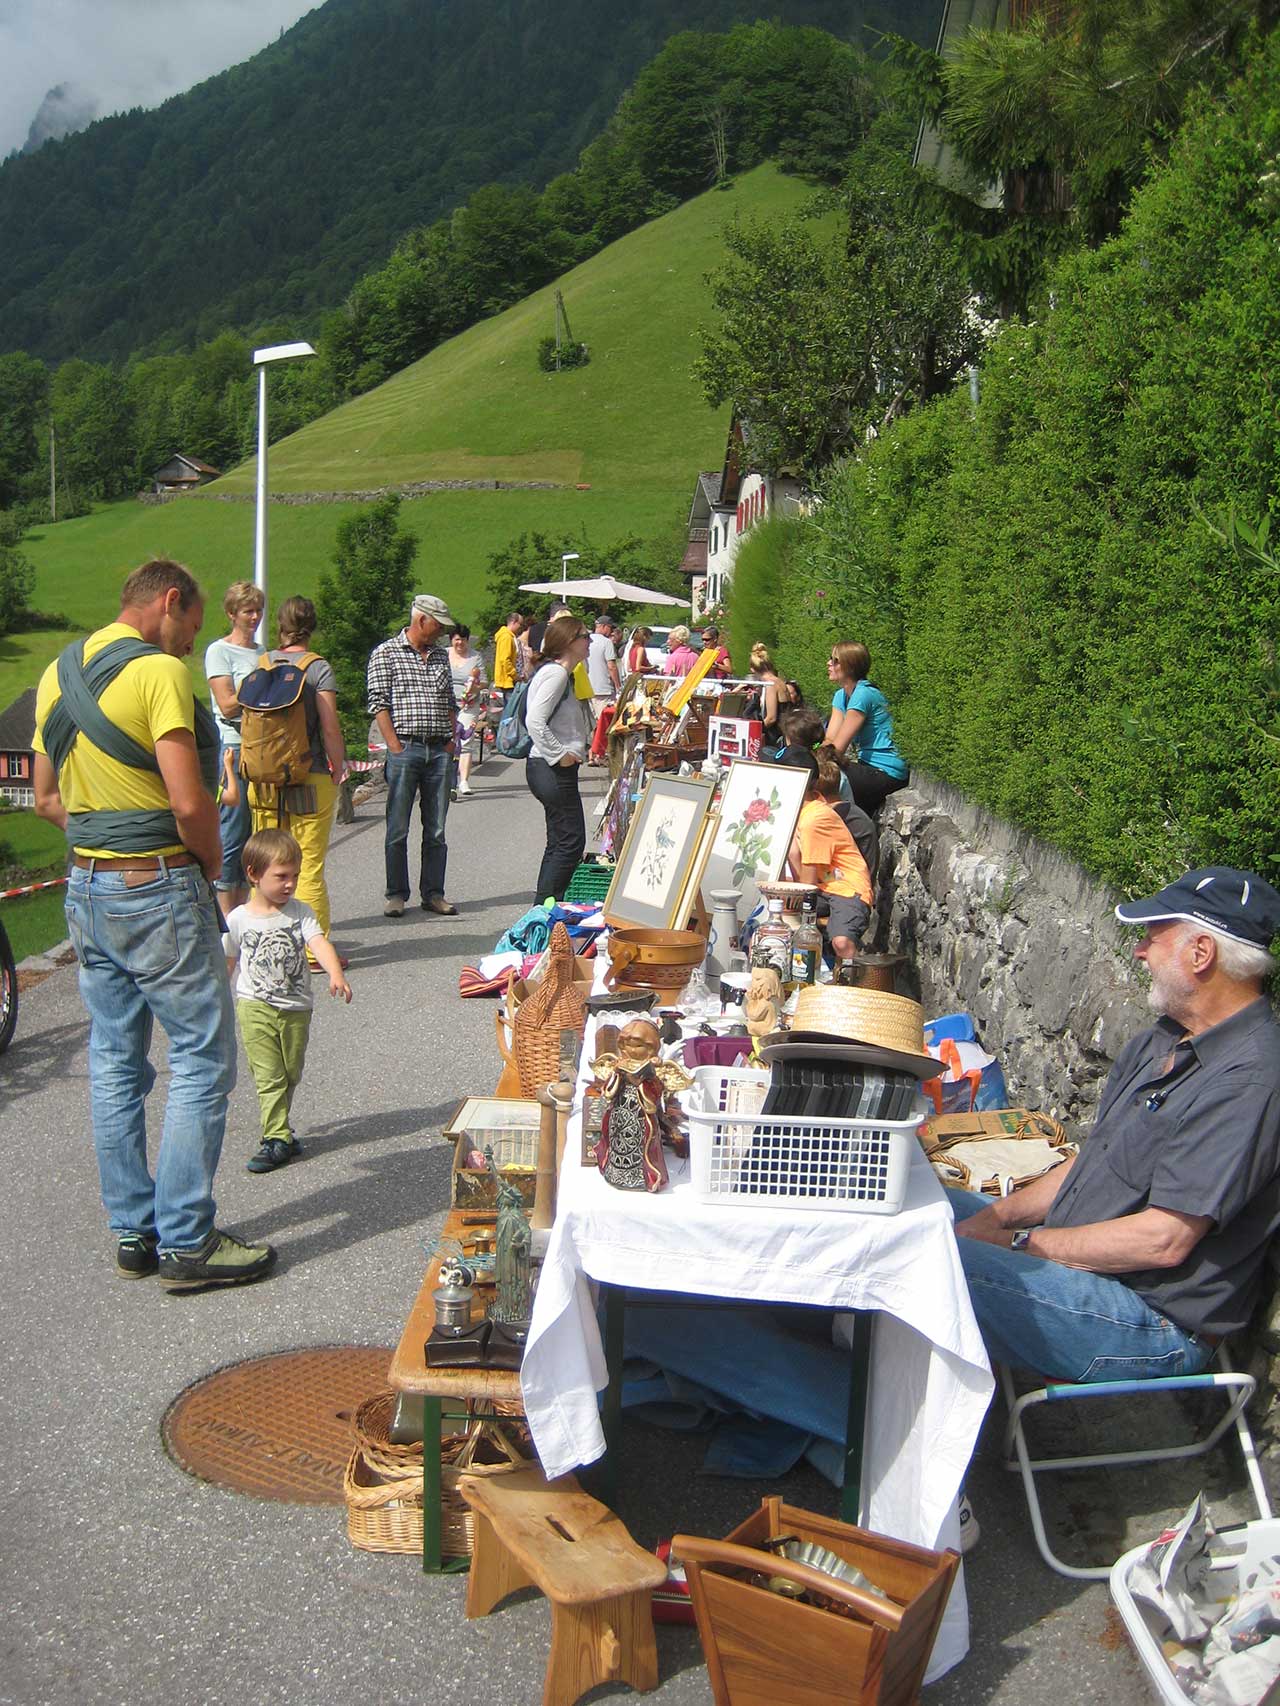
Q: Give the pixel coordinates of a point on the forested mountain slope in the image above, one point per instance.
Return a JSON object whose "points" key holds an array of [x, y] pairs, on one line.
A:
{"points": [[263, 193]]}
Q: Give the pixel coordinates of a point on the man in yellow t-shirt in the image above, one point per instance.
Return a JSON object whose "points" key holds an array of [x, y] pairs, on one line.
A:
{"points": [[506, 663], [823, 852], [119, 741]]}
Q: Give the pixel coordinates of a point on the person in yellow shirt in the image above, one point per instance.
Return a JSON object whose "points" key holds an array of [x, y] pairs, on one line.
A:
{"points": [[126, 762], [823, 852], [506, 662]]}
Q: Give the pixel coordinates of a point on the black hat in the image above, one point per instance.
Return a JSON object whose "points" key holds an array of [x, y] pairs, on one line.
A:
{"points": [[1236, 902]]}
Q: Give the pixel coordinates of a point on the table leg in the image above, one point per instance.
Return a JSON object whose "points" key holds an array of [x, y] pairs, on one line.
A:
{"points": [[856, 1423], [431, 1559]]}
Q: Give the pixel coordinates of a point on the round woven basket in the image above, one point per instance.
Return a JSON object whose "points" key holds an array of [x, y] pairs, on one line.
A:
{"points": [[862, 1016], [373, 1438], [385, 1514], [383, 1481]]}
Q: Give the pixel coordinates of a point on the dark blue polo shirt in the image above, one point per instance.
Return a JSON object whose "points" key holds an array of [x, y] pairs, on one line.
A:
{"points": [[1191, 1124]]}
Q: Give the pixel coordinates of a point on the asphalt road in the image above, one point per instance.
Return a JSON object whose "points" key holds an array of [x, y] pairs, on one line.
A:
{"points": [[125, 1580]]}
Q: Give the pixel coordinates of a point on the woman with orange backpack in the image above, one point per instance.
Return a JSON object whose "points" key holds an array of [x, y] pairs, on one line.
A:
{"points": [[306, 807]]}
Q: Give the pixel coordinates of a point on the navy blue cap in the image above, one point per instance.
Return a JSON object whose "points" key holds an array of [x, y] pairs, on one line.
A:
{"points": [[1238, 903]]}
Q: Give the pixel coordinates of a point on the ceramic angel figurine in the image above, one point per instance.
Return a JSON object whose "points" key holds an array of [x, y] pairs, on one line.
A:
{"points": [[638, 1118], [763, 1005]]}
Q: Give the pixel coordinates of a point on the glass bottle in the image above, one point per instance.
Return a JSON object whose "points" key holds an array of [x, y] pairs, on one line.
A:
{"points": [[771, 944], [806, 946]]}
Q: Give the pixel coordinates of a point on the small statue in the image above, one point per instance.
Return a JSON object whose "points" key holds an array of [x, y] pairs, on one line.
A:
{"points": [[763, 1005], [512, 1262], [638, 1119]]}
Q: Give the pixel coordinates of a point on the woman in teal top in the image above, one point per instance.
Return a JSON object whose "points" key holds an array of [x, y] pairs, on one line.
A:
{"points": [[860, 720]]}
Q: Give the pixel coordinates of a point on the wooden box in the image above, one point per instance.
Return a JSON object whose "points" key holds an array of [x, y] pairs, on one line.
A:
{"points": [[510, 1127], [762, 1648]]}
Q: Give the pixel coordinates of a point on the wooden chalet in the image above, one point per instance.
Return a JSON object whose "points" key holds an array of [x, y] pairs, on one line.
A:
{"points": [[726, 505], [182, 474], [17, 755]]}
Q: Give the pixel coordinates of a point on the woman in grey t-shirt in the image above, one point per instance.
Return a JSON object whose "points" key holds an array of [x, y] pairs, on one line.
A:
{"points": [[226, 663], [558, 729], [308, 806]]}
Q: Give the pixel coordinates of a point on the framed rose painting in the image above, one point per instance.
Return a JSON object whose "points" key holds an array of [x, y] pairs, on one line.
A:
{"points": [[758, 811]]}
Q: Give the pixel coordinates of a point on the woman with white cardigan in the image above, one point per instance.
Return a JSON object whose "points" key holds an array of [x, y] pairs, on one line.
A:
{"points": [[560, 734]]}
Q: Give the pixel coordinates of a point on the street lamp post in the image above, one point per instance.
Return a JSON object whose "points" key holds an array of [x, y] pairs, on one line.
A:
{"points": [[566, 557], [262, 358]]}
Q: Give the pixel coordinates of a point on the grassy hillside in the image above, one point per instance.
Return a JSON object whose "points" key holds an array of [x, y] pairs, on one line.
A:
{"points": [[631, 426], [480, 407]]}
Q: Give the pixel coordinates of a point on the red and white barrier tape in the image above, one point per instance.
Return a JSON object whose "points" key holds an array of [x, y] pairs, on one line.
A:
{"points": [[32, 888]]}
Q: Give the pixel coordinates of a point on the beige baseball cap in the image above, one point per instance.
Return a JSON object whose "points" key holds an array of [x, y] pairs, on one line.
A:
{"points": [[425, 605]]}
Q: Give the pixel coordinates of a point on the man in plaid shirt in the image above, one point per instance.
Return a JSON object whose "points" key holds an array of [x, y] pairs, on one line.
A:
{"points": [[411, 699]]}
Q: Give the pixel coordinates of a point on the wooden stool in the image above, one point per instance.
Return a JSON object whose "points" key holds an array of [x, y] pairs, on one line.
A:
{"points": [[531, 1532]]}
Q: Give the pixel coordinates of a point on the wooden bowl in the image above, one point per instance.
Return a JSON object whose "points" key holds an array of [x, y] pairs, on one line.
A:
{"points": [[653, 959]]}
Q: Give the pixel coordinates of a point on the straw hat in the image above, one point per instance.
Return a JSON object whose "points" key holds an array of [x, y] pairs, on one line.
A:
{"points": [[865, 1025]]}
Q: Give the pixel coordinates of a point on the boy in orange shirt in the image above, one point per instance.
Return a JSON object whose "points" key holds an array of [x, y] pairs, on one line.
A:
{"points": [[824, 853]]}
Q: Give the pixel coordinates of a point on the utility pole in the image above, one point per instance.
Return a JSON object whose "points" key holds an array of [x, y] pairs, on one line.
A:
{"points": [[53, 472]]}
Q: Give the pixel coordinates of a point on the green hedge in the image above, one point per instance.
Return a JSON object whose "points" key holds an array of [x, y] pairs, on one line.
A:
{"points": [[1059, 632], [761, 566]]}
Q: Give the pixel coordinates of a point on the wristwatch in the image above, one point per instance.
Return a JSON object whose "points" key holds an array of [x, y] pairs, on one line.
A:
{"points": [[1021, 1238]]}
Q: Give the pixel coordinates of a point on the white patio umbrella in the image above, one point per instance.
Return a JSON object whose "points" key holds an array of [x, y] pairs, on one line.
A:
{"points": [[605, 589]]}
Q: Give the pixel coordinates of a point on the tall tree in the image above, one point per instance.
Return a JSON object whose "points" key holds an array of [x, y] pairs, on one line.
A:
{"points": [[17, 575], [24, 384], [1054, 122], [822, 339], [364, 599]]}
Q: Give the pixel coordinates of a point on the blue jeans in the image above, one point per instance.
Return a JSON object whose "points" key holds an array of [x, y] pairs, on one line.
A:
{"points": [[555, 787], [234, 825], [420, 772], [1064, 1323], [153, 952]]}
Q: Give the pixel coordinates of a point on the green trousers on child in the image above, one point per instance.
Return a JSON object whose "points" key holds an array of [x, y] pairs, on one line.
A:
{"points": [[276, 1044]]}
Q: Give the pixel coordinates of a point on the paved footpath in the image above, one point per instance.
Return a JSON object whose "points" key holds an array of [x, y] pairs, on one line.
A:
{"points": [[124, 1580]]}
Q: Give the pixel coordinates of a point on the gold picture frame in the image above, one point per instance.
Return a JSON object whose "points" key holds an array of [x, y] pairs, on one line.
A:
{"points": [[664, 839]]}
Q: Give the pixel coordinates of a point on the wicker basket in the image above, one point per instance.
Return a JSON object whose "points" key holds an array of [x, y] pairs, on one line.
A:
{"points": [[383, 1481], [556, 1003], [385, 1456], [386, 1515]]}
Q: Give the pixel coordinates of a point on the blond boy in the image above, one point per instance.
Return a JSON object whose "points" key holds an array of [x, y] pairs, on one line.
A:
{"points": [[268, 939]]}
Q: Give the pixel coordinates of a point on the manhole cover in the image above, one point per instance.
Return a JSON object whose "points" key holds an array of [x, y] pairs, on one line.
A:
{"points": [[278, 1427]]}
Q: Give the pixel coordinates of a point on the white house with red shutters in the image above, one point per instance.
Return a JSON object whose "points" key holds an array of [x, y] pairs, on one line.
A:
{"points": [[726, 506]]}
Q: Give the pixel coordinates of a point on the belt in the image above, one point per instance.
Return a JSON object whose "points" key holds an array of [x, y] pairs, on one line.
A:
{"points": [[420, 740], [143, 862]]}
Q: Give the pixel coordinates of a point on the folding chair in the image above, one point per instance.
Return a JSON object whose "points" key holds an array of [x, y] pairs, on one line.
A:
{"points": [[1018, 1457]]}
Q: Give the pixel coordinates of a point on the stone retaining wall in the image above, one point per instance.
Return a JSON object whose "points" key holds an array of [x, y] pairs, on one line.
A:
{"points": [[410, 489], [996, 924]]}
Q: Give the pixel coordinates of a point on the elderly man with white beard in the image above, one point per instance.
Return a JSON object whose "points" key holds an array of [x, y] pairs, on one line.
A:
{"points": [[1138, 1257]]}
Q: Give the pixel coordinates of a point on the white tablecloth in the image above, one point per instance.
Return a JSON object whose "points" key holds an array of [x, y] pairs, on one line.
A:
{"points": [[930, 1379]]}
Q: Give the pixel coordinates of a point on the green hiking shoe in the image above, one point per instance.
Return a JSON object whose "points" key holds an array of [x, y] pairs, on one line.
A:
{"points": [[220, 1260], [136, 1256], [274, 1152]]}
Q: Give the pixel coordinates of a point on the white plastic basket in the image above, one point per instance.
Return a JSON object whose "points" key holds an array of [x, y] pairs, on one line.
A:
{"points": [[779, 1161], [1260, 1540]]}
